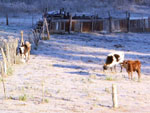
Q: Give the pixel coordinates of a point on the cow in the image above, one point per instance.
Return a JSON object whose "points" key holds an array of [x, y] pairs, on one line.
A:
{"points": [[24, 50], [132, 66], [114, 59]]}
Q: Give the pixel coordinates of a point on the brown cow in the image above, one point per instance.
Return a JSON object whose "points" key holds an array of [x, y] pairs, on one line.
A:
{"points": [[25, 50], [132, 66]]}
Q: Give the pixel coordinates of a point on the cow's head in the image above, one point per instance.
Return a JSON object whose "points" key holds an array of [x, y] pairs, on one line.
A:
{"points": [[22, 50], [105, 67], [124, 64]]}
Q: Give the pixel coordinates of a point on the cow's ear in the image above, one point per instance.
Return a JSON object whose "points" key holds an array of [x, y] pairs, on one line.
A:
{"points": [[22, 43]]}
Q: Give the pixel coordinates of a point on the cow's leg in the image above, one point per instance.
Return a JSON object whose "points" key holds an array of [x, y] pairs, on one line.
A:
{"points": [[131, 75], [23, 56], [111, 69], [115, 68], [128, 75], [139, 74], [27, 55], [121, 68]]}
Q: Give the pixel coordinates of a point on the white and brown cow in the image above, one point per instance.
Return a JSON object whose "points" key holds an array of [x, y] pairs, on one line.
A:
{"points": [[24, 50], [132, 66], [114, 59]]}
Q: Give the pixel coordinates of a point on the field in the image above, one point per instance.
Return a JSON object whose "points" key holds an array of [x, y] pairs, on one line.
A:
{"points": [[64, 75]]}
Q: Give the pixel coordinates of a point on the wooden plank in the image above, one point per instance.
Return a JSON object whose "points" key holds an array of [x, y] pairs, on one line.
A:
{"points": [[81, 27], [87, 27], [75, 20], [70, 24]]}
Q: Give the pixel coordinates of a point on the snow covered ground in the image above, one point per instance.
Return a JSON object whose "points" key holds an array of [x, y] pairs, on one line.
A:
{"points": [[16, 24], [69, 70]]}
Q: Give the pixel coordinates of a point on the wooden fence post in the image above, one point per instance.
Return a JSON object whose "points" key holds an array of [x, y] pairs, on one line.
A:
{"points": [[110, 22], [5, 61], [48, 35], [70, 24], [81, 27], [32, 20], [7, 23], [43, 91], [8, 53], [15, 48], [143, 21], [22, 40], [92, 24], [64, 26], [43, 30], [114, 96], [128, 21], [3, 82]]}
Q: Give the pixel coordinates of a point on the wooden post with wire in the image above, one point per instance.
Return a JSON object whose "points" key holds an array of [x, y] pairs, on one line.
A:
{"points": [[92, 19], [22, 40], [48, 35], [128, 21], [7, 23], [110, 22], [8, 53], [43, 30], [114, 96], [4, 62], [2, 75], [43, 90]]}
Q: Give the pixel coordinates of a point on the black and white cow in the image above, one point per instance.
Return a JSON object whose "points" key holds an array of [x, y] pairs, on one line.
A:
{"points": [[114, 59]]}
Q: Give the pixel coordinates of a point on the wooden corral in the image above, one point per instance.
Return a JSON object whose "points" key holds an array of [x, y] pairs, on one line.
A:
{"points": [[59, 22], [77, 26], [140, 25]]}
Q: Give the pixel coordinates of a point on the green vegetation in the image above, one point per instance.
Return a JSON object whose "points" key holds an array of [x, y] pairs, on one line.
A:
{"points": [[110, 78], [46, 100], [23, 98], [9, 71]]}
